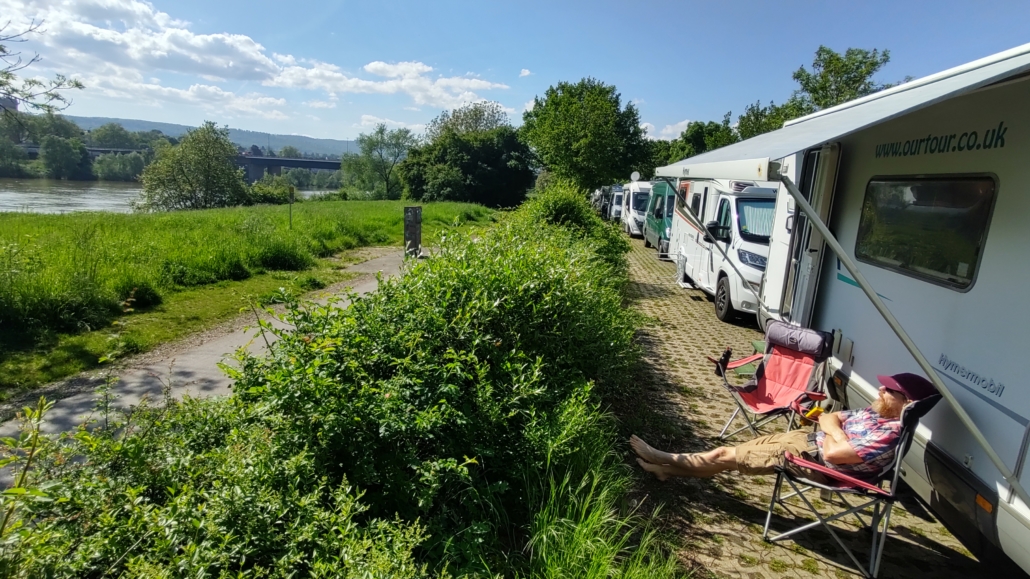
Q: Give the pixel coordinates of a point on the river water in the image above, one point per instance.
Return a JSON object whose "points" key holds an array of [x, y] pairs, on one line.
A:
{"points": [[50, 196]]}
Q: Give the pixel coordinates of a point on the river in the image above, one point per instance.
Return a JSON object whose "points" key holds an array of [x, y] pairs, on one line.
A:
{"points": [[53, 196]]}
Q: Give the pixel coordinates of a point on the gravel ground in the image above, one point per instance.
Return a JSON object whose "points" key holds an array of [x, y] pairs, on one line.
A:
{"points": [[718, 522]]}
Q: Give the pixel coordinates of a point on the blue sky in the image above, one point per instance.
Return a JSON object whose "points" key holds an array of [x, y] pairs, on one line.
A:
{"points": [[334, 69]]}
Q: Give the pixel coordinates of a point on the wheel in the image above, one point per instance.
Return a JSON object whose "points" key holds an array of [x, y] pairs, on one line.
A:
{"points": [[723, 304], [663, 249], [647, 244]]}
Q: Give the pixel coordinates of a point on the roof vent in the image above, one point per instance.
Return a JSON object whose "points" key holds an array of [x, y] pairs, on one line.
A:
{"points": [[739, 186]]}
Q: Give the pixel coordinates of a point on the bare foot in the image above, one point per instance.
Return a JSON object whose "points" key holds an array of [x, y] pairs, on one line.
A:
{"points": [[645, 450], [656, 469]]}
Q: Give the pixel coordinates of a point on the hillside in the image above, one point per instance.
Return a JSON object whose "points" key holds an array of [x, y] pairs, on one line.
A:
{"points": [[239, 136]]}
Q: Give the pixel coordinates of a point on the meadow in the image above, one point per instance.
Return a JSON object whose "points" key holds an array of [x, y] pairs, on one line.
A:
{"points": [[449, 424], [65, 277]]}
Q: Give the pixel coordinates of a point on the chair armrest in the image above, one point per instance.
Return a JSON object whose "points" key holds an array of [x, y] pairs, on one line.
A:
{"points": [[841, 478]]}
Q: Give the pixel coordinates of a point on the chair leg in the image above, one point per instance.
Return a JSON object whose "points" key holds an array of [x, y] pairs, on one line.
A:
{"points": [[772, 503], [729, 422], [878, 549]]}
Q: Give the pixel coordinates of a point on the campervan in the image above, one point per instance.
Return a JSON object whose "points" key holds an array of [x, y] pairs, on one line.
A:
{"points": [[738, 217], [900, 226], [658, 218], [634, 203], [615, 212]]}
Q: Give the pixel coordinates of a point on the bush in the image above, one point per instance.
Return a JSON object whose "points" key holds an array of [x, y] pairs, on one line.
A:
{"points": [[272, 190], [137, 292], [283, 253], [116, 167]]}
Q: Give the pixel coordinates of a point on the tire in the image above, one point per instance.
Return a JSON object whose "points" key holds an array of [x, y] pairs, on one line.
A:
{"points": [[723, 302]]}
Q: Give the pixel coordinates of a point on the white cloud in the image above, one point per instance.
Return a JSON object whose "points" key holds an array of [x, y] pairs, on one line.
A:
{"points": [[525, 72], [321, 104], [530, 105], [668, 132], [416, 109], [648, 130], [637, 102], [371, 121], [115, 46]]}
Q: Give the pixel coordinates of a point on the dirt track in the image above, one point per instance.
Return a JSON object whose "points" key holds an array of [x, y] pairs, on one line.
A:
{"points": [[719, 521]]}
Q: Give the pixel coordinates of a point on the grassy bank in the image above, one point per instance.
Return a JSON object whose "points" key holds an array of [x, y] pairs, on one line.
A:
{"points": [[65, 278], [448, 424]]}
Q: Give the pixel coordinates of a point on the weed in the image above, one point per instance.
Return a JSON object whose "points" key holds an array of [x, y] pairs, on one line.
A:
{"points": [[778, 565], [810, 565], [748, 560]]}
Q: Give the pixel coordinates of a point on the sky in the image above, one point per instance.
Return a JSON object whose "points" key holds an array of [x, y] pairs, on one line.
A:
{"points": [[335, 69]]}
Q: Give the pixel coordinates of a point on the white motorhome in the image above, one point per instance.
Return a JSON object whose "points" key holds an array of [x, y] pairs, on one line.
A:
{"points": [[906, 235], [634, 204], [615, 207], [738, 216]]}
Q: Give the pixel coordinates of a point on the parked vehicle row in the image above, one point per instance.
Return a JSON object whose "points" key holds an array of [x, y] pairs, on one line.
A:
{"points": [[907, 219]]}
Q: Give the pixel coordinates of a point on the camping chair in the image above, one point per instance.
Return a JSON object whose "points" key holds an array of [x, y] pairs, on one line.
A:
{"points": [[788, 379], [873, 493]]}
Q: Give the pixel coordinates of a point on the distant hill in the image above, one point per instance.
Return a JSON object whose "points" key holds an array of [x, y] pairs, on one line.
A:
{"points": [[238, 136]]}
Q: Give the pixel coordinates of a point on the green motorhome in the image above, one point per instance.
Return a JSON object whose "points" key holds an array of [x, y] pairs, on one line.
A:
{"points": [[658, 218]]}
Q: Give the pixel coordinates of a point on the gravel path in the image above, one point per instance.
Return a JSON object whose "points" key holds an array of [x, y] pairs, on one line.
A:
{"points": [[720, 520]]}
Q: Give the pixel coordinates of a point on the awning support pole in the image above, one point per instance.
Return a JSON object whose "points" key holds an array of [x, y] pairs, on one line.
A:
{"points": [[697, 223], [852, 268]]}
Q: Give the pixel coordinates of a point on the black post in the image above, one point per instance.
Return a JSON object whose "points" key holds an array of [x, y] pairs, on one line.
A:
{"points": [[412, 231]]}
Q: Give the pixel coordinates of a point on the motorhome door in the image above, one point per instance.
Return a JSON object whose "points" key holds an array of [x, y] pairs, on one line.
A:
{"points": [[819, 177]]}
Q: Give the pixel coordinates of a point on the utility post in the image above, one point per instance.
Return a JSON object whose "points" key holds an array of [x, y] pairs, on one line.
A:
{"points": [[412, 231]]}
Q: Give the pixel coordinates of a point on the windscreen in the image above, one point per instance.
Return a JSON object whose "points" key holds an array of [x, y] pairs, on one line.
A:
{"points": [[755, 219], [618, 199], [640, 201]]}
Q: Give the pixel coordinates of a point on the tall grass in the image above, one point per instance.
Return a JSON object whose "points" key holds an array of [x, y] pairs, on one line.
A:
{"points": [[449, 423], [70, 272]]}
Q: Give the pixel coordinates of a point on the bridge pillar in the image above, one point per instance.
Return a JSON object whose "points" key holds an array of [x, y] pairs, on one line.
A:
{"points": [[254, 172]]}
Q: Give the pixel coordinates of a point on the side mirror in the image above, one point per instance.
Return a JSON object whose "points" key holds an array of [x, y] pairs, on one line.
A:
{"points": [[715, 232]]}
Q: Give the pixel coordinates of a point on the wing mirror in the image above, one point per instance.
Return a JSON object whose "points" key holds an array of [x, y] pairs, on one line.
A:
{"points": [[716, 232]]}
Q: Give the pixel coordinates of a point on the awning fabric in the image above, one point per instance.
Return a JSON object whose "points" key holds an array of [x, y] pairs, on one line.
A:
{"points": [[750, 159]]}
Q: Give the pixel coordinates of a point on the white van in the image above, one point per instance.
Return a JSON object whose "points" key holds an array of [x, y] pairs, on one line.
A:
{"points": [[738, 216], [615, 208], [922, 191], [635, 196]]}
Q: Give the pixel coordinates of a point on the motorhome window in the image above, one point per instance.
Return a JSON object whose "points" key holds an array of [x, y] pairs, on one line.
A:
{"points": [[695, 204], [755, 219], [932, 228], [640, 201], [618, 199], [724, 214], [670, 202]]}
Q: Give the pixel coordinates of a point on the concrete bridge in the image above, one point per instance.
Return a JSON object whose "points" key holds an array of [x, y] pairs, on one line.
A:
{"points": [[33, 151], [255, 167]]}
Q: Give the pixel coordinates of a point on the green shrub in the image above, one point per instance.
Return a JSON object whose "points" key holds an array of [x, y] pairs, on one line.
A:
{"points": [[136, 291], [282, 253]]}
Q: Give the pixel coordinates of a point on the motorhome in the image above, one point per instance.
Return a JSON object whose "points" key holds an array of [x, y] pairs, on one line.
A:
{"points": [[658, 218], [900, 226], [634, 203], [735, 215], [615, 206]]}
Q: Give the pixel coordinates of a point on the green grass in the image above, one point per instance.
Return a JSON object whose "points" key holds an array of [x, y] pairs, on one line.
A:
{"points": [[67, 281]]}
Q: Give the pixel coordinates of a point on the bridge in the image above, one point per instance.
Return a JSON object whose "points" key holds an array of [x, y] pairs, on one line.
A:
{"points": [[33, 151], [255, 167]]}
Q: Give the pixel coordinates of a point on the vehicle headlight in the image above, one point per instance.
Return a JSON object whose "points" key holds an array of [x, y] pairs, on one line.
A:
{"points": [[666, 233], [753, 259]]}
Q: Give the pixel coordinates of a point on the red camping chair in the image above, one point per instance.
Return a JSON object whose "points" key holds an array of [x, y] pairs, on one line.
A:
{"points": [[875, 496], [787, 380]]}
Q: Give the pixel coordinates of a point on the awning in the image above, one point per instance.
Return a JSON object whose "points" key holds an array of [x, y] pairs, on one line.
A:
{"points": [[750, 159]]}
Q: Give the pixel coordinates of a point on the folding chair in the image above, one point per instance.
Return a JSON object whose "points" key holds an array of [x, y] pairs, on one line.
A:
{"points": [[788, 379], [875, 496]]}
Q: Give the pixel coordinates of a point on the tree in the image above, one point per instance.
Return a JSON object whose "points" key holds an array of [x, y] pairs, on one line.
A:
{"points": [[700, 137], [837, 78], [198, 173], [492, 167], [117, 167], [65, 158], [757, 119], [290, 152], [35, 94], [582, 132], [658, 156], [112, 136], [11, 158], [256, 151], [473, 117], [373, 170]]}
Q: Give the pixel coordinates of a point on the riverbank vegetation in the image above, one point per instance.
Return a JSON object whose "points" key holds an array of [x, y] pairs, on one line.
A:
{"points": [[447, 425], [62, 275]]}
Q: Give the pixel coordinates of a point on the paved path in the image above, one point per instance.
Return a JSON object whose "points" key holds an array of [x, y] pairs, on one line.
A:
{"points": [[682, 408], [194, 370]]}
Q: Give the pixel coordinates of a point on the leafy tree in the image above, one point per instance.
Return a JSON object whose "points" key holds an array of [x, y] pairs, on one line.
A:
{"points": [[473, 117], [112, 136], [65, 158], [658, 156], [198, 173], [372, 172], [11, 158], [492, 167], [700, 137], [290, 152], [582, 132], [271, 189], [117, 167], [32, 93], [834, 79]]}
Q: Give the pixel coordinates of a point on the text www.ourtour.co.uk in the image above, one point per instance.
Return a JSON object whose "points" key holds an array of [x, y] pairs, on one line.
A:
{"points": [[993, 138]]}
